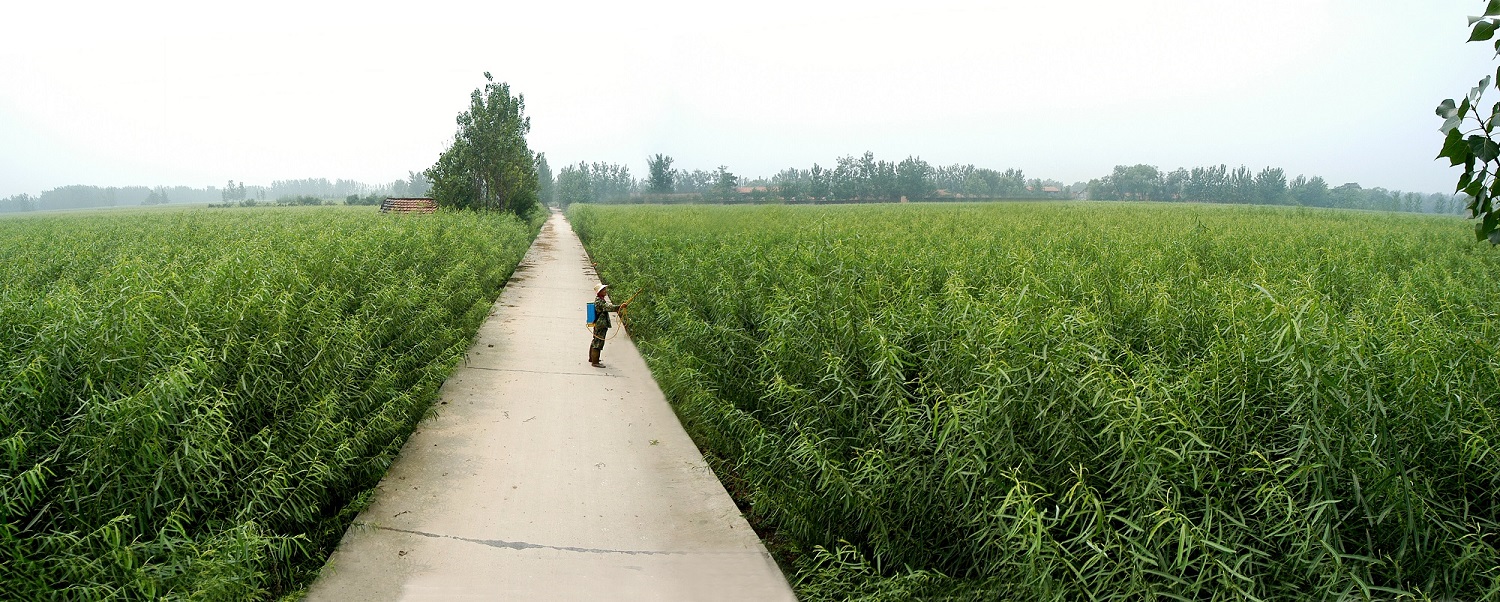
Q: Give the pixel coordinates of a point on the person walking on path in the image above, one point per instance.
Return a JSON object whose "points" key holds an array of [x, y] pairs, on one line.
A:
{"points": [[602, 307]]}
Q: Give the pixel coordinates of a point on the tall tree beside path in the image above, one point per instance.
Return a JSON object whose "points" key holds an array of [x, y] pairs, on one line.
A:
{"points": [[546, 189], [1470, 139], [488, 166]]}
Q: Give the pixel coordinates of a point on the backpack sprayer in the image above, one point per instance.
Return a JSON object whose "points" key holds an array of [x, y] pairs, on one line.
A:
{"points": [[593, 314]]}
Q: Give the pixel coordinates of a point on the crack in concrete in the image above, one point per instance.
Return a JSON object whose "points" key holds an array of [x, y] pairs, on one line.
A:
{"points": [[521, 545], [541, 317], [543, 372], [571, 289]]}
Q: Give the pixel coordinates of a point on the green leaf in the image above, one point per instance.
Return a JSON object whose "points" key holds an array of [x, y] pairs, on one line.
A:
{"points": [[1475, 19], [1463, 107], [1493, 9], [1476, 147], [1484, 149], [1455, 148], [1483, 30], [1451, 124], [1478, 90], [1463, 181], [1474, 189], [1447, 109]]}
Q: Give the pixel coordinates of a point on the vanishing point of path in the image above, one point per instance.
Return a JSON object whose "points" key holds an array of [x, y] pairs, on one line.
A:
{"points": [[543, 478]]}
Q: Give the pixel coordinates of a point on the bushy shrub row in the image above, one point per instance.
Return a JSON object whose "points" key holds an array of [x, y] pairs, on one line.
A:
{"points": [[195, 404], [1085, 401]]}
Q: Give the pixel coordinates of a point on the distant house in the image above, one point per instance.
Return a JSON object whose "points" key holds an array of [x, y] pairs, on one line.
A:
{"points": [[408, 205], [750, 189], [1050, 192]]}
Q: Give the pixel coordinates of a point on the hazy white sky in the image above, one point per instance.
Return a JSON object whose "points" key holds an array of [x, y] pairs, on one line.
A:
{"points": [[197, 93]]}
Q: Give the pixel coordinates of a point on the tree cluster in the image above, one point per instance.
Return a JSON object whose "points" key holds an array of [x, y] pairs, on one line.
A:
{"points": [[158, 196], [868, 179], [851, 179], [18, 202], [865, 178], [488, 166], [546, 184], [697, 181], [369, 199], [982, 182], [1269, 186], [414, 185], [594, 183], [80, 196], [234, 193], [663, 178], [725, 186]]}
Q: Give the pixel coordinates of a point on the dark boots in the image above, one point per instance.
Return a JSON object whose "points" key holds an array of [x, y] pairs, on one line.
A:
{"points": [[594, 358]]}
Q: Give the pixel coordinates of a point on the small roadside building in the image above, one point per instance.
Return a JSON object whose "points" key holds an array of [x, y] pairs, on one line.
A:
{"points": [[408, 205]]}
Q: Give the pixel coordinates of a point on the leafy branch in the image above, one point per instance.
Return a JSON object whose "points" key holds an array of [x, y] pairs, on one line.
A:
{"points": [[1474, 146]]}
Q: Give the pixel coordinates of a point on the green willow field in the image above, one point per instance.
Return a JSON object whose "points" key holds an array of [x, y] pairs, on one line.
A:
{"points": [[1084, 401], [195, 404]]}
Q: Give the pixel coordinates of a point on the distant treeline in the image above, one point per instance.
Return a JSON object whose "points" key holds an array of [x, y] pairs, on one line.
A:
{"points": [[85, 197], [851, 179], [867, 179], [414, 185], [593, 183], [1269, 186]]}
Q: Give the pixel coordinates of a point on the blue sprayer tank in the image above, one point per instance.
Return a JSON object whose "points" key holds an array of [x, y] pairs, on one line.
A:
{"points": [[593, 313]]}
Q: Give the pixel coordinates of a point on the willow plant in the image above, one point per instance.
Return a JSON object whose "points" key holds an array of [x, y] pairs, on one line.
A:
{"points": [[195, 404], [1084, 401]]}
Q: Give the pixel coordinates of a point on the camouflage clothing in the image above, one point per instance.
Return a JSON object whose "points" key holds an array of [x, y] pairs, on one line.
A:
{"points": [[602, 307]]}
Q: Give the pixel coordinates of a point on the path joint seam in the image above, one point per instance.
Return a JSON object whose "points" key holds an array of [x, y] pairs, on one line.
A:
{"points": [[521, 545]]}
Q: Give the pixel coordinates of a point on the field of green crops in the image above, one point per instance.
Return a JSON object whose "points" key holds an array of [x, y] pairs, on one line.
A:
{"points": [[195, 404], [1084, 401]]}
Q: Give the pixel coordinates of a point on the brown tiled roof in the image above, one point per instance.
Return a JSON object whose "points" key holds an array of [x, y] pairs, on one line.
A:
{"points": [[408, 205]]}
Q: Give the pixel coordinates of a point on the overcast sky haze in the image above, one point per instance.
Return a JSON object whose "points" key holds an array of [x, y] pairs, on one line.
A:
{"points": [[166, 93]]}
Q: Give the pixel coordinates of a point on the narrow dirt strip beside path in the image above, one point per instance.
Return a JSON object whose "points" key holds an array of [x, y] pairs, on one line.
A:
{"points": [[543, 478]]}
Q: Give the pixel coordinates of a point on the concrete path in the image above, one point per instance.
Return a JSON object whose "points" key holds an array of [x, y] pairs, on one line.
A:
{"points": [[542, 478]]}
